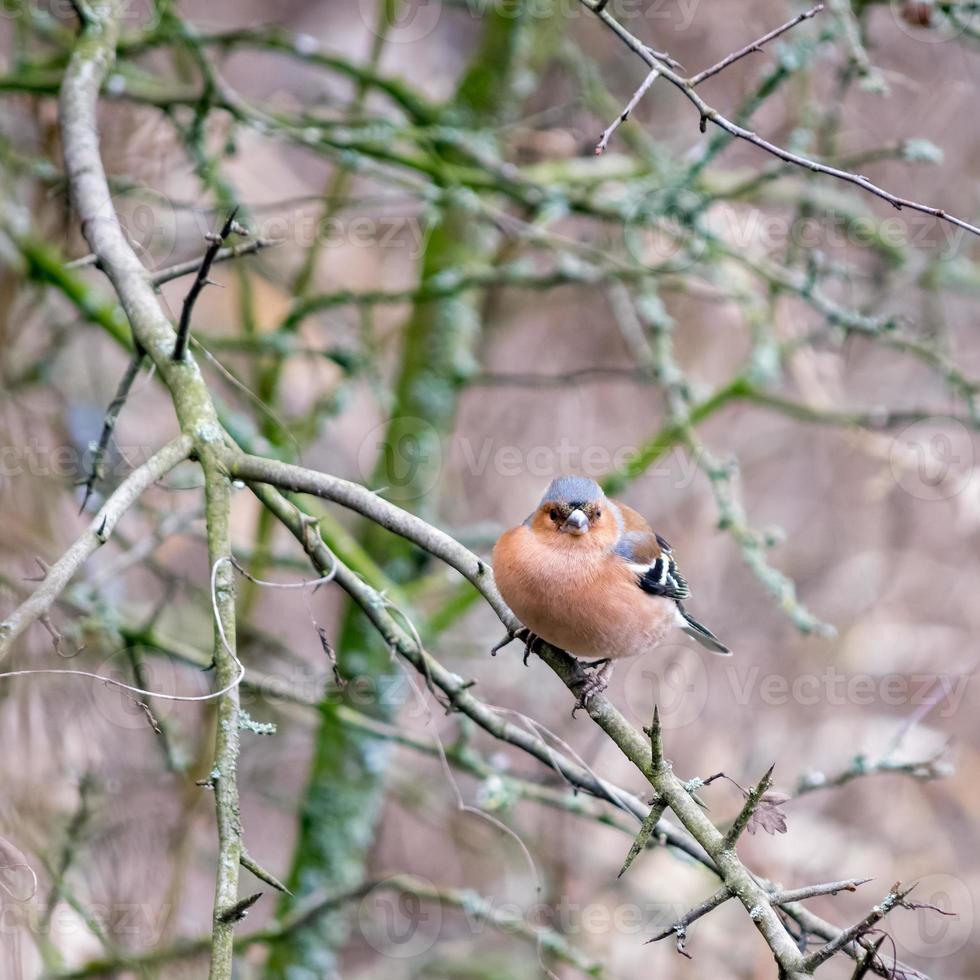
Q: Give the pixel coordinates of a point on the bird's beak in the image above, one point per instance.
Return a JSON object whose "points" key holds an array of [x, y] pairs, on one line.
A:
{"points": [[576, 523]]}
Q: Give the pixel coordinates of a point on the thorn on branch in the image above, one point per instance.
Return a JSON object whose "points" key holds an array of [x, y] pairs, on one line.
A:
{"points": [[647, 828], [749, 810], [250, 864], [656, 738], [215, 241], [240, 909]]}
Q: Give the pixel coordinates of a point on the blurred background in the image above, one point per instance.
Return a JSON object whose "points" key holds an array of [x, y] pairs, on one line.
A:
{"points": [[458, 301]]}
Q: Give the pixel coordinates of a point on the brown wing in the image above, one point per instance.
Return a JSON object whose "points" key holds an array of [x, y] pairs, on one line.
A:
{"points": [[633, 520], [645, 543], [651, 557]]}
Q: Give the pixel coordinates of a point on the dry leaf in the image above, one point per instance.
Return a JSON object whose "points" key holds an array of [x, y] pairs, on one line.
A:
{"points": [[767, 814]]}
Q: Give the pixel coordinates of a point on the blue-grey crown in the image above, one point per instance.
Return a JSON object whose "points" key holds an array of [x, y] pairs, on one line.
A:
{"points": [[572, 490]]}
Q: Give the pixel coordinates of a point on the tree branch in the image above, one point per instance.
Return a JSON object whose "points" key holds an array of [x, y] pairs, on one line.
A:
{"points": [[60, 573], [707, 112]]}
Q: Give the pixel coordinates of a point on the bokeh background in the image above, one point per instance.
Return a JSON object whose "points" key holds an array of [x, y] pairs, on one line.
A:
{"points": [[650, 277]]}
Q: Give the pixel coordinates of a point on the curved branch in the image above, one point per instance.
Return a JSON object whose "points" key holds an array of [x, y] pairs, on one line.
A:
{"points": [[60, 573]]}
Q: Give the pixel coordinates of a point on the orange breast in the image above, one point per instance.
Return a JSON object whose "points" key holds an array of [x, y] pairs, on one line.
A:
{"points": [[585, 602]]}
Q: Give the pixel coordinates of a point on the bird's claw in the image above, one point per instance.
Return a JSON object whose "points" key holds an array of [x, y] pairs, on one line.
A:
{"points": [[597, 676], [530, 641]]}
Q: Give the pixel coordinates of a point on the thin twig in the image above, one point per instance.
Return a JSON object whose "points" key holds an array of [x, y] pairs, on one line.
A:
{"points": [[894, 898], [200, 281], [171, 272], [600, 147], [756, 45], [60, 573], [97, 469], [707, 112]]}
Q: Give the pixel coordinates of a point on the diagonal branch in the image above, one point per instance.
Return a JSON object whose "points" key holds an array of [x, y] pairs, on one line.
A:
{"points": [[58, 575], [759, 898], [895, 898], [756, 45], [600, 147], [709, 113]]}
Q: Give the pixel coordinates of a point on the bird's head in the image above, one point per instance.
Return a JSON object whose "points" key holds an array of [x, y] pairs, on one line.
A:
{"points": [[576, 509]]}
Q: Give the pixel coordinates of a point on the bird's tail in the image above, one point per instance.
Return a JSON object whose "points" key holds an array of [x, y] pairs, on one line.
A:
{"points": [[702, 634]]}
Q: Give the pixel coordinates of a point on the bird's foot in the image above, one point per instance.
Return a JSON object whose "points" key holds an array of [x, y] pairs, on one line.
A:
{"points": [[597, 674], [530, 641]]}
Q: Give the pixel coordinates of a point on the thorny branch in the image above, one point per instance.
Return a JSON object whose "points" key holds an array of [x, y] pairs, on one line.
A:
{"points": [[646, 755], [207, 441]]}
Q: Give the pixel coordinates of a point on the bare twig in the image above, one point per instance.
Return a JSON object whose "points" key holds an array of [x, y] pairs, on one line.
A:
{"points": [[600, 147], [895, 898], [60, 573], [709, 113], [97, 471], [756, 45], [200, 281], [679, 928], [161, 276]]}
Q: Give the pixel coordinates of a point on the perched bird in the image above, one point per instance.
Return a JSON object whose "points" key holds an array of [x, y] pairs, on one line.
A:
{"points": [[589, 575]]}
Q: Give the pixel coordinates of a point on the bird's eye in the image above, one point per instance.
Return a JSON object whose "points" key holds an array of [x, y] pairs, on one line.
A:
{"points": [[553, 514], [598, 513]]}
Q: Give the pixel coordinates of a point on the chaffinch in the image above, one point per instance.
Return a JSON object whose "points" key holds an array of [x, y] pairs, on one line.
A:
{"points": [[589, 575]]}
